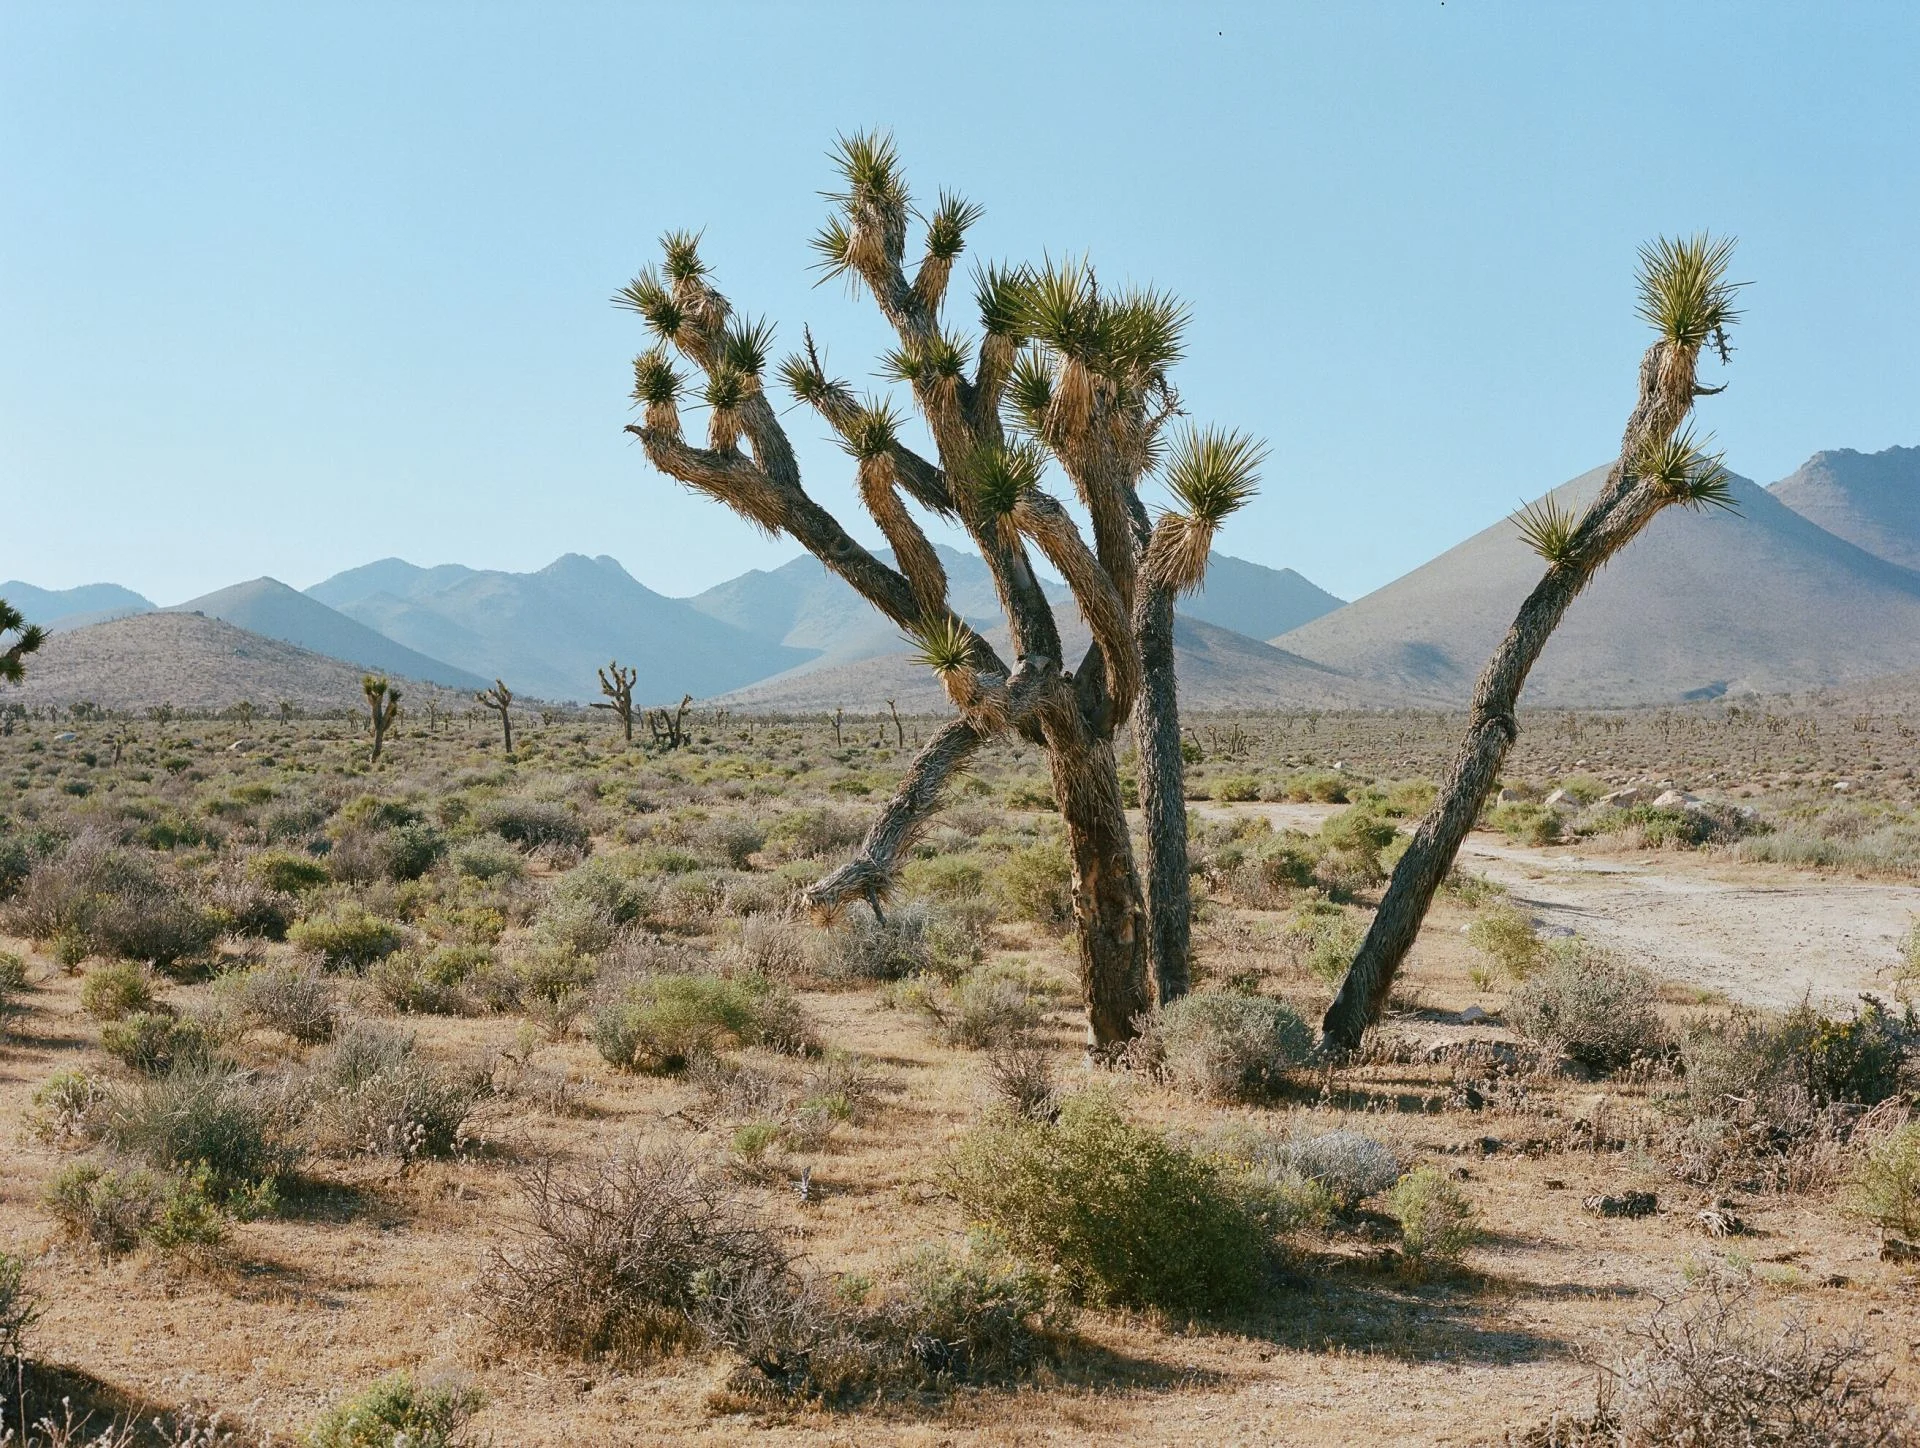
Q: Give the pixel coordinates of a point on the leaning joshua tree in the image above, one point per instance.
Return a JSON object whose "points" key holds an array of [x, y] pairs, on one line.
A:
{"points": [[619, 692], [383, 703], [1686, 297], [27, 639], [1062, 372], [500, 699]]}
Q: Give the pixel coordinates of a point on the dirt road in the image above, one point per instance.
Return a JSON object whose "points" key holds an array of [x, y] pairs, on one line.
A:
{"points": [[1755, 933]]}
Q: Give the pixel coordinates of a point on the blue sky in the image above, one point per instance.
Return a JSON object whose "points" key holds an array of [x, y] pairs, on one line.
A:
{"points": [[284, 289]]}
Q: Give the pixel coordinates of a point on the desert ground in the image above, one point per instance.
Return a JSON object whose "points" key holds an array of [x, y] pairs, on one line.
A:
{"points": [[503, 915]]}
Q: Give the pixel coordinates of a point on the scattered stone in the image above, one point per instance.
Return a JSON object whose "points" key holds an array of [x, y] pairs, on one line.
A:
{"points": [[1489, 1146], [65, 736], [1836, 1279], [1626, 1204], [1895, 1250], [1623, 798], [1560, 799], [1508, 796], [1473, 1016], [1843, 785], [1717, 1223], [1675, 799]]}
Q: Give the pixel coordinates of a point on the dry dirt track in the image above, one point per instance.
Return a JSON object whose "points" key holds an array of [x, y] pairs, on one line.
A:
{"points": [[1755, 933]]}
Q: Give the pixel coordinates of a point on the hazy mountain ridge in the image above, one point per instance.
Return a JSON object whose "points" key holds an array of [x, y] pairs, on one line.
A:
{"points": [[63, 608], [1872, 500]]}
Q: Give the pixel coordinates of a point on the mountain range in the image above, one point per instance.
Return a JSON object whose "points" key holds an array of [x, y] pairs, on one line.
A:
{"points": [[1812, 582]]}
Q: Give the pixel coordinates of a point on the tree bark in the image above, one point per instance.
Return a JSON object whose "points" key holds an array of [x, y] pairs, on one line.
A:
{"points": [[1163, 798]]}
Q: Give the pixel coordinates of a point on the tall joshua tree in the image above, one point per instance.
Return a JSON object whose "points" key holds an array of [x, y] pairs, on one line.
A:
{"points": [[27, 638], [383, 703], [619, 692], [1062, 372], [1686, 298], [500, 699]]}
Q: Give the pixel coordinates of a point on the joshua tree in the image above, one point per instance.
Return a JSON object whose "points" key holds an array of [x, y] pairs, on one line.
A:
{"points": [[669, 730], [244, 712], [619, 691], [500, 699], [1063, 372], [899, 729], [286, 711], [1686, 298], [27, 639], [383, 703]]}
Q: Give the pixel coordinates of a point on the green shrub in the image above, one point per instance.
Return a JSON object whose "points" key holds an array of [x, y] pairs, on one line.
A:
{"points": [[947, 877], [286, 996], [412, 983], [1223, 1046], [535, 825], [1409, 798], [18, 1309], [1506, 937], [1884, 1186], [913, 939], [812, 832], [1351, 843], [201, 1115], [1527, 824], [395, 1411], [1234, 788], [373, 1092], [13, 973], [69, 1108], [118, 989], [1599, 1008], [99, 898], [1038, 884], [488, 860], [990, 1005], [288, 871], [1437, 1222], [1322, 939], [152, 1041], [115, 1209], [1782, 1065], [660, 1021], [950, 1317], [347, 936], [1126, 1216], [1906, 978], [616, 886]]}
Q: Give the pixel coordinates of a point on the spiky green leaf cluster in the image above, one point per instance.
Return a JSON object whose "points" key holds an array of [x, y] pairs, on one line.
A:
{"points": [[1549, 528], [874, 431], [654, 380], [1001, 476], [1030, 388], [27, 639], [1145, 332], [808, 384], [1684, 292], [1135, 334], [1000, 294], [680, 252], [938, 358], [944, 645], [1214, 472], [871, 165], [1681, 470], [1060, 306], [726, 388], [646, 295], [834, 245], [744, 345], [947, 227]]}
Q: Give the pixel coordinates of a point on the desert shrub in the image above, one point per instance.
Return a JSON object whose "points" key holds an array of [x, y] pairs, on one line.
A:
{"points": [[1126, 1216], [1525, 823], [151, 1042], [373, 1092], [1234, 788], [1322, 939], [414, 983], [575, 925], [347, 936], [1351, 842], [69, 1108], [287, 871], [733, 840], [1020, 1073], [812, 832], [241, 905], [1437, 1222], [657, 1023], [947, 878], [103, 899], [1782, 1065], [865, 947], [1409, 798], [400, 852], [1711, 1375], [615, 885], [488, 860], [1350, 1165], [1906, 978], [18, 1308], [988, 1005], [1506, 937], [1320, 786], [291, 997], [395, 1410], [618, 1260], [1037, 882], [1884, 1186], [1222, 1046], [115, 990], [536, 826], [13, 981], [202, 1115], [116, 1209], [1597, 1007], [774, 948], [950, 1316]]}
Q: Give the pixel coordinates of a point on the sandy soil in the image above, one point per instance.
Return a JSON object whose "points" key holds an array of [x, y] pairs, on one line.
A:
{"points": [[1757, 934]]}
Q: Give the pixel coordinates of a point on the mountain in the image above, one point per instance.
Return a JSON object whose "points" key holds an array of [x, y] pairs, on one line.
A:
{"points": [[1700, 604], [1255, 600], [73, 607], [546, 632], [269, 608], [1870, 499], [190, 660], [1217, 669]]}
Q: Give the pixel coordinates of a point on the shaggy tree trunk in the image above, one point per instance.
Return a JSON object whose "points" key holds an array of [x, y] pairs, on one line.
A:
{"points": [[1163, 799], [1109, 915]]}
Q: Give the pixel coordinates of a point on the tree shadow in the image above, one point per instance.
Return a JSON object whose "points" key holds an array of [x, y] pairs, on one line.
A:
{"points": [[36, 1390]]}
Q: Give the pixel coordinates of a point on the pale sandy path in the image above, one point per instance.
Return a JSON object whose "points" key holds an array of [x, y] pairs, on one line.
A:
{"points": [[1756, 933]]}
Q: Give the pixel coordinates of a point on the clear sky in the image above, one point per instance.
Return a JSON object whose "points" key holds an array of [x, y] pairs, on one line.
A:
{"points": [[287, 288]]}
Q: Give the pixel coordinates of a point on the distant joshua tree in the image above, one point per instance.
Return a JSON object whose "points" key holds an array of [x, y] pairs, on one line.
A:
{"points": [[619, 690], [1063, 373], [244, 712], [286, 711], [383, 703], [27, 639], [1686, 297], [669, 730], [500, 699]]}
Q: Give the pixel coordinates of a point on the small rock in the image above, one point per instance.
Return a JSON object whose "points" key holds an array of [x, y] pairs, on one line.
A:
{"points": [[1836, 1279], [1508, 796], [1626, 1204], [1554, 1184], [1840, 786], [1895, 1250], [65, 736], [1622, 798], [1473, 1016], [1717, 1223], [1489, 1146], [1560, 799], [1674, 799], [1461, 1174]]}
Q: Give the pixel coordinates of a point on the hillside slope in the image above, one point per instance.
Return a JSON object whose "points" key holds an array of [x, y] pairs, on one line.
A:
{"points": [[1870, 499], [267, 607], [1701, 604], [1252, 599]]}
